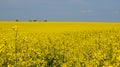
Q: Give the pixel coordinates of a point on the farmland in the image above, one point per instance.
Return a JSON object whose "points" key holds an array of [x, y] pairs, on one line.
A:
{"points": [[59, 44]]}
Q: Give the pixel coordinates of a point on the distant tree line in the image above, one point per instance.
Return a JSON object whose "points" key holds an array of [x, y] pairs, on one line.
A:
{"points": [[32, 20]]}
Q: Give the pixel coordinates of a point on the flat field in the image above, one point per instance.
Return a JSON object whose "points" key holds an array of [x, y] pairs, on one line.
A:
{"points": [[59, 26], [59, 44]]}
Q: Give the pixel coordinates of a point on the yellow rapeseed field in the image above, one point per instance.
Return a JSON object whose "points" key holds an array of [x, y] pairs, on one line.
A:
{"points": [[59, 44]]}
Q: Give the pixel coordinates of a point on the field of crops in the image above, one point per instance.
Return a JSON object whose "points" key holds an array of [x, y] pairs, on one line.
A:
{"points": [[59, 44]]}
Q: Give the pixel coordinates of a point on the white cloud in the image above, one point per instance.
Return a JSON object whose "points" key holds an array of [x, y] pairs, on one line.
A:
{"points": [[116, 12]]}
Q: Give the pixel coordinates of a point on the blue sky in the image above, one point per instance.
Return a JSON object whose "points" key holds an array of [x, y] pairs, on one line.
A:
{"points": [[60, 10]]}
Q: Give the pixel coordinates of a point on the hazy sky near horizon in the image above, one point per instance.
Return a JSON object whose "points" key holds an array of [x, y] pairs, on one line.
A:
{"points": [[60, 10]]}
